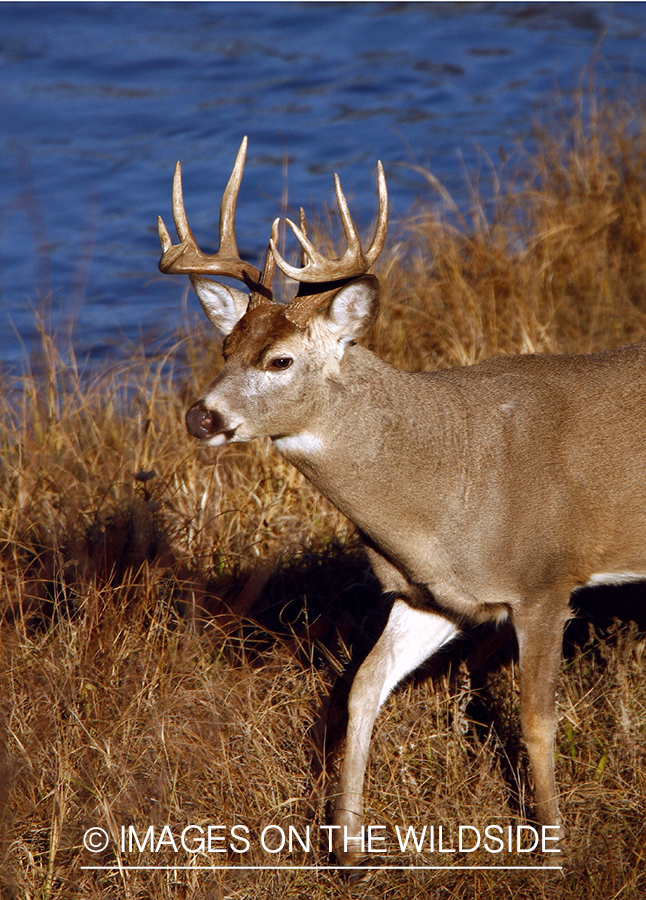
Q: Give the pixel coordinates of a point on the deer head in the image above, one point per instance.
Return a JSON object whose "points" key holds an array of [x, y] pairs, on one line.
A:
{"points": [[275, 353]]}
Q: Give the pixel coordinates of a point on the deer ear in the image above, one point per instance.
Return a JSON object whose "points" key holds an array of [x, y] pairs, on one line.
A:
{"points": [[353, 309], [224, 306]]}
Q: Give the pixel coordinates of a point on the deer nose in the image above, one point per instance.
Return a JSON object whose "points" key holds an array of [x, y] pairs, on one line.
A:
{"points": [[202, 422]]}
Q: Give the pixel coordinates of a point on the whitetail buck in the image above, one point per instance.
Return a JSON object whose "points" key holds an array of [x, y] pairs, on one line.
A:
{"points": [[487, 492]]}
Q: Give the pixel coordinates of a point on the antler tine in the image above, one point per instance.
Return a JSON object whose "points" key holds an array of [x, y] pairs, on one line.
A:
{"points": [[351, 236], [262, 294], [302, 225], [379, 239], [228, 246], [267, 277], [179, 211], [186, 257], [171, 253], [318, 268]]}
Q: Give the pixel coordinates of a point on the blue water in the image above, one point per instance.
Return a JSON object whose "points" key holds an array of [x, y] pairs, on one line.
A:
{"points": [[99, 100]]}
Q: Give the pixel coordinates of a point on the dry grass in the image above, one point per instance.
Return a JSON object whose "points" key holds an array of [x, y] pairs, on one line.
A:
{"points": [[175, 622]]}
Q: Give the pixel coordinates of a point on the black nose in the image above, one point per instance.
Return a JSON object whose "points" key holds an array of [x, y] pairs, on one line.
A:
{"points": [[202, 422]]}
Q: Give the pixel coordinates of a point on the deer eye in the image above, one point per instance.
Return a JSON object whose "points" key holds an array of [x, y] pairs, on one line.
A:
{"points": [[280, 362]]}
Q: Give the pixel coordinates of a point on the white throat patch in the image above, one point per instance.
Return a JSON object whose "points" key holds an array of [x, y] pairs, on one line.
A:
{"points": [[304, 444]]}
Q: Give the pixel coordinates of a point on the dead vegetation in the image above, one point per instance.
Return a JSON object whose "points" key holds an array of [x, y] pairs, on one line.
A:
{"points": [[176, 624]]}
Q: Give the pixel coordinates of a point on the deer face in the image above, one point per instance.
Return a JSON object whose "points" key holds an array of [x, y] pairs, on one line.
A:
{"points": [[277, 372]]}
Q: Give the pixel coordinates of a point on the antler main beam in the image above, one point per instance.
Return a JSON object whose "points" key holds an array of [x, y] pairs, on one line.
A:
{"points": [[186, 257], [354, 262]]}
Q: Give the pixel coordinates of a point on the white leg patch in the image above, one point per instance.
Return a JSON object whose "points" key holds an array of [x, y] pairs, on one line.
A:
{"points": [[410, 637]]}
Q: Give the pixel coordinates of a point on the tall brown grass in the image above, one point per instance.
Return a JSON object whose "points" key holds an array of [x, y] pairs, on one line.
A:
{"points": [[176, 623]]}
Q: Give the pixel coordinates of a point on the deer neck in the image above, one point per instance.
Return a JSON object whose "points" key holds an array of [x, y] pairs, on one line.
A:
{"points": [[351, 448]]}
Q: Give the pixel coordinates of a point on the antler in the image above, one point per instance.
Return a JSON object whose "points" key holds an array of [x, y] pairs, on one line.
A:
{"points": [[187, 258], [317, 268]]}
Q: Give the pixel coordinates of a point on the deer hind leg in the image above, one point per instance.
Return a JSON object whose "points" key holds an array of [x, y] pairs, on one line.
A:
{"points": [[409, 638], [540, 643]]}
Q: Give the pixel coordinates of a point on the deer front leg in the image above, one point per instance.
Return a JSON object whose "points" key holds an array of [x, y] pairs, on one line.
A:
{"points": [[410, 637], [540, 640]]}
